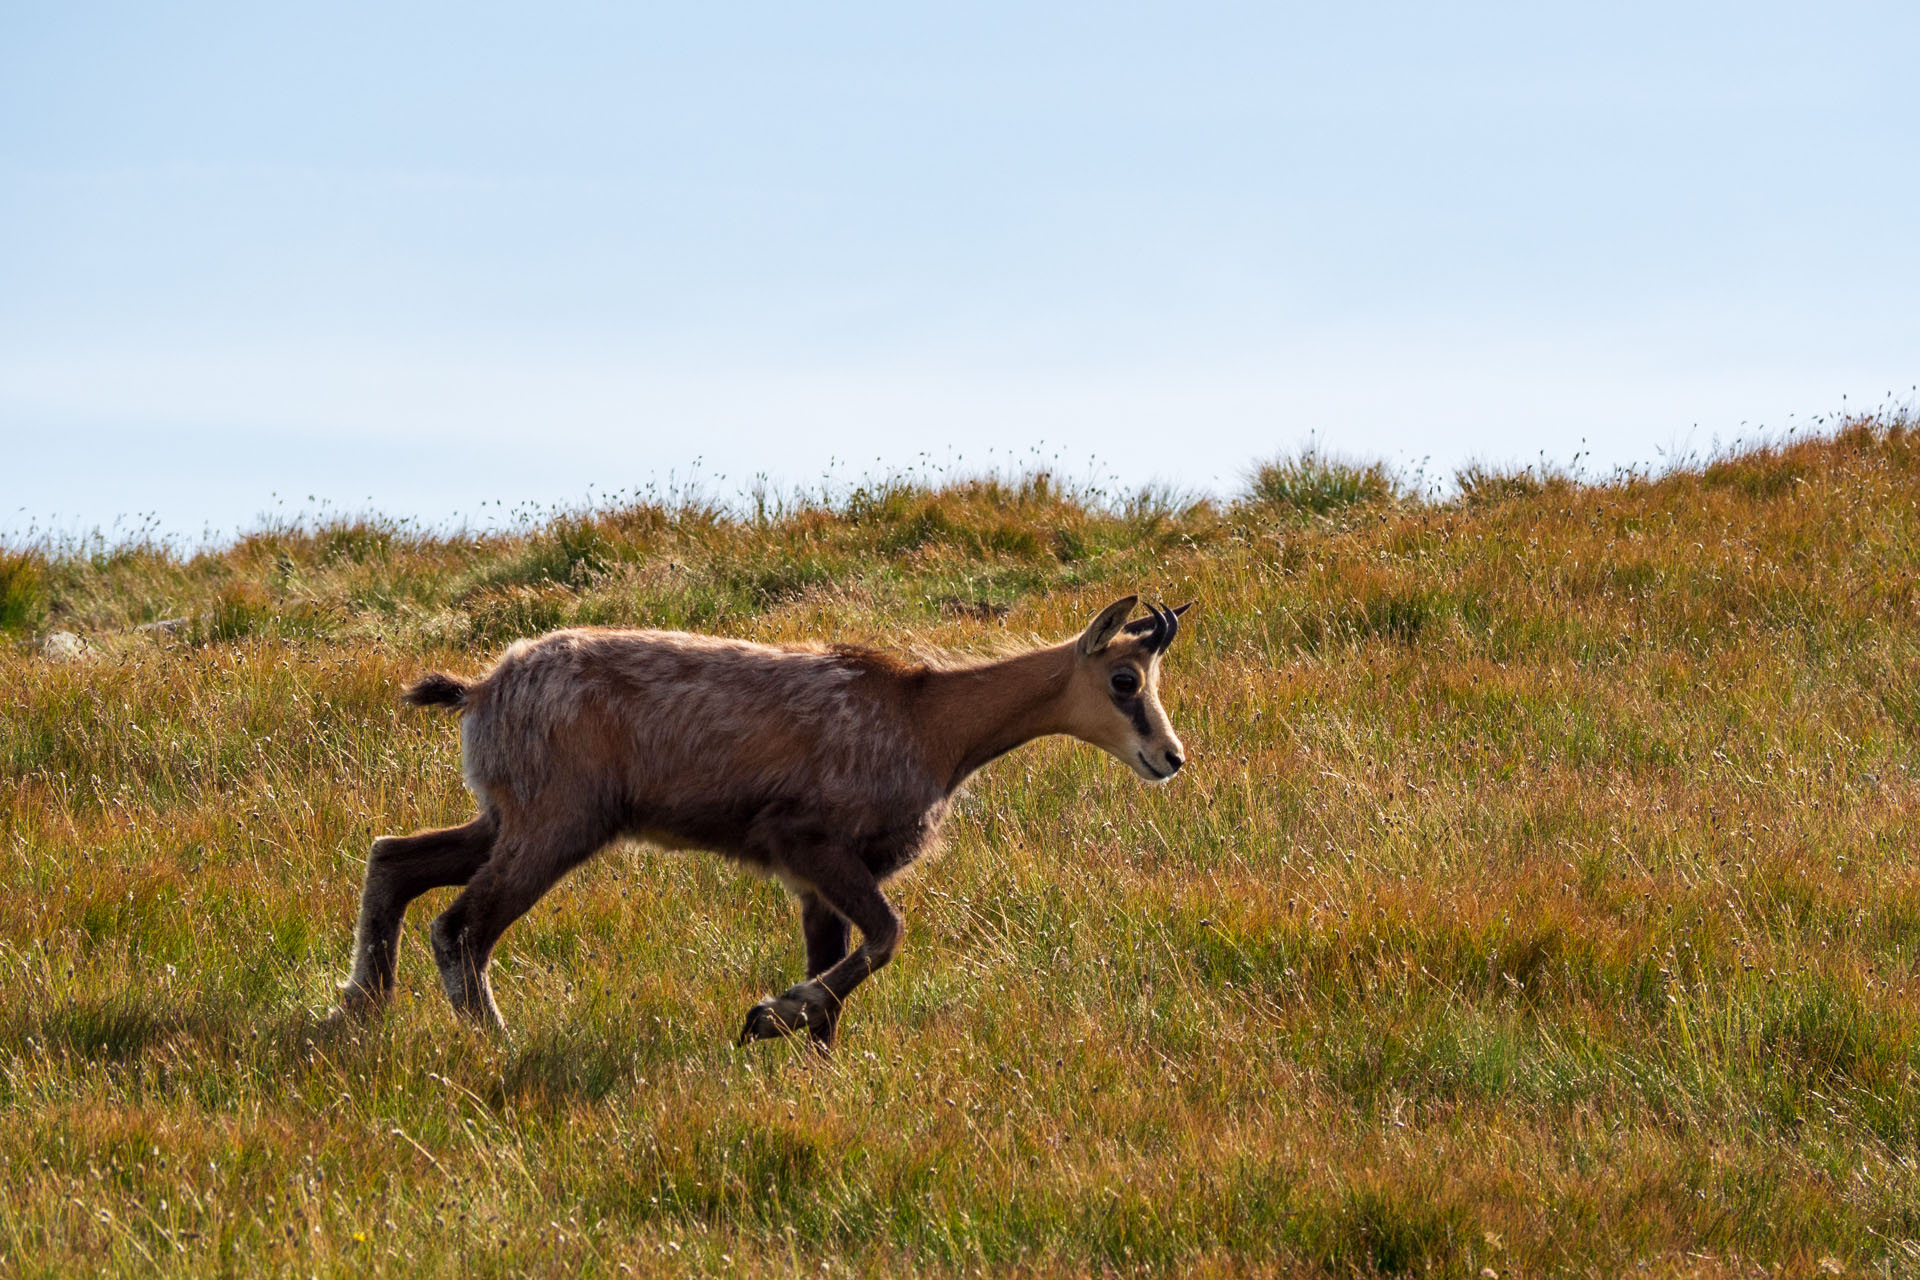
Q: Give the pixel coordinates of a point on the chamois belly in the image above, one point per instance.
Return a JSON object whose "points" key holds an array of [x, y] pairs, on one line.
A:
{"points": [[784, 837]]}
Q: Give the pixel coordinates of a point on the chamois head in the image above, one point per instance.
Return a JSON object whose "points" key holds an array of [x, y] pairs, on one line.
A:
{"points": [[1113, 701]]}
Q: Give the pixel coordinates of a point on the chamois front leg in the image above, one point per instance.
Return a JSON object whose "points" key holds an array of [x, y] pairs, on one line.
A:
{"points": [[848, 895], [827, 933]]}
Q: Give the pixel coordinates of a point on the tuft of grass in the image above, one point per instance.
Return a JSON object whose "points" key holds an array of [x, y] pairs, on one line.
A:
{"points": [[241, 609], [1480, 483], [1312, 483], [571, 551], [1392, 1228], [24, 592]]}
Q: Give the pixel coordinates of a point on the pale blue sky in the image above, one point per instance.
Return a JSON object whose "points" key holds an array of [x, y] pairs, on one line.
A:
{"points": [[466, 254]]}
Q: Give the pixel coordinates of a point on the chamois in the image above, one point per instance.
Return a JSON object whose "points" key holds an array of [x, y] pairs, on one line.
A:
{"points": [[829, 768]]}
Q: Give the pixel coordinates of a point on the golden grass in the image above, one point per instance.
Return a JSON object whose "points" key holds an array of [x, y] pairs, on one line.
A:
{"points": [[1541, 899]]}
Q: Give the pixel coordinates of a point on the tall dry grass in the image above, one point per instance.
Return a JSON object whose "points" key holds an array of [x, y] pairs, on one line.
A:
{"points": [[1541, 899]]}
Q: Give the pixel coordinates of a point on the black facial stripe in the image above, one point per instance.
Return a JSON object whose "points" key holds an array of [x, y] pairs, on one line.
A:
{"points": [[1136, 709]]}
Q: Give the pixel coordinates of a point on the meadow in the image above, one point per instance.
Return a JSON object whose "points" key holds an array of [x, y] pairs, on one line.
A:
{"points": [[1541, 897]]}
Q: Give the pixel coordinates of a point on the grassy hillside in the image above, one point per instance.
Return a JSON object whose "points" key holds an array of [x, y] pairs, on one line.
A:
{"points": [[1542, 899]]}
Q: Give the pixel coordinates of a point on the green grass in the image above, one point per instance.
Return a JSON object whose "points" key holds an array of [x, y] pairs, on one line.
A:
{"points": [[1542, 897], [23, 590], [1312, 483]]}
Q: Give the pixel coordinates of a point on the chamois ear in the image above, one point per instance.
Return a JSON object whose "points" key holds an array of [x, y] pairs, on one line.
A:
{"points": [[1106, 626]]}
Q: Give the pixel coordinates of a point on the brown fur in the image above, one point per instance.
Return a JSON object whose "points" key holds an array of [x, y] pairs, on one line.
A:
{"points": [[830, 768]]}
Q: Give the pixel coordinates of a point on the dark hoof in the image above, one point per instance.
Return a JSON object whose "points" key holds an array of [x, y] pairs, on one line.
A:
{"points": [[357, 1005], [473, 1002], [801, 1008], [464, 982]]}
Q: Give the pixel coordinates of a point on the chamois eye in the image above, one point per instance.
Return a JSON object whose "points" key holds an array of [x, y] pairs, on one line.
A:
{"points": [[1125, 683]]}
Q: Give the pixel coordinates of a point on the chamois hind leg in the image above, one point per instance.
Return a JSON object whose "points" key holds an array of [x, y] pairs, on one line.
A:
{"points": [[523, 867], [400, 869], [827, 933], [843, 886]]}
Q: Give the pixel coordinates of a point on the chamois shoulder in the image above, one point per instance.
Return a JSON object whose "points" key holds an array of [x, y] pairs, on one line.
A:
{"points": [[879, 662]]}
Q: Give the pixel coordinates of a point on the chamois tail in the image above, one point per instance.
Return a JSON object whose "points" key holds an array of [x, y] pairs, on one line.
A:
{"points": [[436, 690]]}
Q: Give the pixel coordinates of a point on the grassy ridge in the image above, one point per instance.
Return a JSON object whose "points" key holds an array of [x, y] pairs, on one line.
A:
{"points": [[1542, 897]]}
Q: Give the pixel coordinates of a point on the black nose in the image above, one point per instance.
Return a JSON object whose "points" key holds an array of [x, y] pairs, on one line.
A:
{"points": [[1174, 761]]}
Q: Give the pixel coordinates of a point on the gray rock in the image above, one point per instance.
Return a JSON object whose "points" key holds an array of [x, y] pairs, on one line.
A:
{"points": [[64, 646]]}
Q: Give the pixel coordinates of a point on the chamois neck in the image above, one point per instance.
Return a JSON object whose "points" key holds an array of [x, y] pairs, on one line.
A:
{"points": [[972, 715]]}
